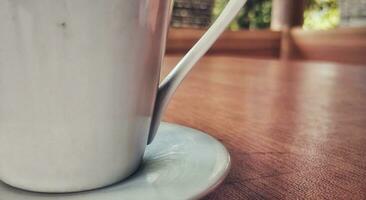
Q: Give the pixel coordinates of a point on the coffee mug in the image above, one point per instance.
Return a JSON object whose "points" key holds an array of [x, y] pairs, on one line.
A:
{"points": [[79, 95]]}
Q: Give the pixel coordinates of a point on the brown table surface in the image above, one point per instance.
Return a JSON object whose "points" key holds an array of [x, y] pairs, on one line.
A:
{"points": [[295, 130]]}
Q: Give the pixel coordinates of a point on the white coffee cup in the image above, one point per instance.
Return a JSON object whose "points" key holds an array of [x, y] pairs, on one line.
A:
{"points": [[79, 96]]}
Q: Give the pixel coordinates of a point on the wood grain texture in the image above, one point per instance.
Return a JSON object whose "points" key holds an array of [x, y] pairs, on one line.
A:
{"points": [[295, 130], [264, 44]]}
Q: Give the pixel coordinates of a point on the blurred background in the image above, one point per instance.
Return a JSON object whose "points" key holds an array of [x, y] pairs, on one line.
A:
{"points": [[332, 30]]}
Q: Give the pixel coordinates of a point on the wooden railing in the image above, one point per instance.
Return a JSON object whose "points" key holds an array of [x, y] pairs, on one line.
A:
{"points": [[265, 44], [339, 45]]}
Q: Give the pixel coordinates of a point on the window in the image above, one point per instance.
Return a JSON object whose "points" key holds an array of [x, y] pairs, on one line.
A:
{"points": [[200, 13], [192, 13], [321, 14]]}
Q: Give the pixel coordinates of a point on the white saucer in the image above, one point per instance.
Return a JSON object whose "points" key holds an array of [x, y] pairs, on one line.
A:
{"points": [[181, 163]]}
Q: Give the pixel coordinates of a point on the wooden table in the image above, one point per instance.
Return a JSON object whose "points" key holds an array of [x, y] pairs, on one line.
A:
{"points": [[295, 130]]}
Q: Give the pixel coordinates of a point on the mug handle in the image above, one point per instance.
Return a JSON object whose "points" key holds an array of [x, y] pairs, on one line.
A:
{"points": [[168, 86]]}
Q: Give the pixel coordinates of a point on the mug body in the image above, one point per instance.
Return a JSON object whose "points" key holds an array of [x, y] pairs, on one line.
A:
{"points": [[78, 81]]}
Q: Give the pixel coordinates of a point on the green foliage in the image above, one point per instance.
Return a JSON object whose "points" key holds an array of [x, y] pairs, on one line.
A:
{"points": [[321, 14], [256, 14]]}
